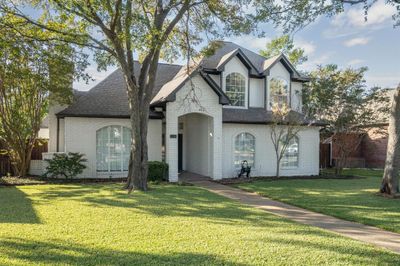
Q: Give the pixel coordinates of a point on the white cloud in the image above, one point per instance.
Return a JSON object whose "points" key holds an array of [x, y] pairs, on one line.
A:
{"points": [[314, 61], [378, 14], [355, 62], [308, 47], [352, 21], [356, 41], [251, 42]]}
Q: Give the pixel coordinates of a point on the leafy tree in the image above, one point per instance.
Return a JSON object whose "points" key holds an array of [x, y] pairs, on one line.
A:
{"points": [[121, 30], [285, 45], [341, 99], [30, 72]]}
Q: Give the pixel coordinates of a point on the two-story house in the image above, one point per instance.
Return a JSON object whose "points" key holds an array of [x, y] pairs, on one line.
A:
{"points": [[206, 122]]}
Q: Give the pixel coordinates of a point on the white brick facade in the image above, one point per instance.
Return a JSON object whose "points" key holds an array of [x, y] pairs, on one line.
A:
{"points": [[209, 106], [265, 158]]}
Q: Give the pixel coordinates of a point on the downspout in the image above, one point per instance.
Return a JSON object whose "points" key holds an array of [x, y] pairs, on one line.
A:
{"points": [[58, 134]]}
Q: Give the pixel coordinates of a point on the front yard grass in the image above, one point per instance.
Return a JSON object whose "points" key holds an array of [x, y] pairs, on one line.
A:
{"points": [[98, 224], [350, 199]]}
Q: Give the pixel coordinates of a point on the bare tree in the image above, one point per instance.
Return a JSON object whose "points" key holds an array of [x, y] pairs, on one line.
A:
{"points": [[285, 126]]}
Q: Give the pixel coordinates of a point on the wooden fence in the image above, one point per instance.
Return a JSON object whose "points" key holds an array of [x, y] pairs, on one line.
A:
{"points": [[324, 155], [5, 163]]}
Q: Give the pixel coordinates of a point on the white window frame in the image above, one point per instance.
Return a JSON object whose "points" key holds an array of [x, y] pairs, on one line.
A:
{"points": [[298, 155], [269, 100], [246, 92], [108, 128], [238, 166]]}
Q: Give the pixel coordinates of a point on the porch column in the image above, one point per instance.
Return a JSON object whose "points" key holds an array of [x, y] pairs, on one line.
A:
{"points": [[171, 144], [217, 145]]}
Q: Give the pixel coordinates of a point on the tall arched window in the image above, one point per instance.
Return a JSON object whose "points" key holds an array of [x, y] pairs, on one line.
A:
{"points": [[291, 156], [245, 149], [112, 149], [236, 89], [279, 92]]}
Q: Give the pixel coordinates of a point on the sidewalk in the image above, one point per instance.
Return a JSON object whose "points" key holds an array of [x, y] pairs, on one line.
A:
{"points": [[364, 233]]}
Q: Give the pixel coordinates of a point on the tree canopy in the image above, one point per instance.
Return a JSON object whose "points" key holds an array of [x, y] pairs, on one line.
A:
{"points": [[284, 44], [31, 72]]}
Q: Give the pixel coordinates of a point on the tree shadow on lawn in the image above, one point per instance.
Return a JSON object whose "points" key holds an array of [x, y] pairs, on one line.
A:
{"points": [[160, 201], [352, 255], [16, 207], [347, 199], [66, 253]]}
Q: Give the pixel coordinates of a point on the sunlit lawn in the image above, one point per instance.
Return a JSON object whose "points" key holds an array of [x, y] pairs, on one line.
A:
{"points": [[350, 199], [102, 225]]}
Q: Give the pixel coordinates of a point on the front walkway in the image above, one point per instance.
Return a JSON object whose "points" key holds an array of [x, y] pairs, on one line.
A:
{"points": [[368, 234]]}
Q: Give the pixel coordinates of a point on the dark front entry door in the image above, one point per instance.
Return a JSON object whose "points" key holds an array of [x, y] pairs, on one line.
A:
{"points": [[180, 153]]}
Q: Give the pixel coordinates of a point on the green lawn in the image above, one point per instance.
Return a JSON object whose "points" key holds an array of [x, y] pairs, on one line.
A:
{"points": [[350, 199], [99, 224], [102, 225]]}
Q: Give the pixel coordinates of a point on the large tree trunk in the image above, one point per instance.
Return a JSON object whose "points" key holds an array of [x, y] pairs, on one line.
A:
{"points": [[390, 180], [137, 174]]}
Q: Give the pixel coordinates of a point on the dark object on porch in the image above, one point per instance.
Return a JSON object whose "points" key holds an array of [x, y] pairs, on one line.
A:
{"points": [[246, 169]]}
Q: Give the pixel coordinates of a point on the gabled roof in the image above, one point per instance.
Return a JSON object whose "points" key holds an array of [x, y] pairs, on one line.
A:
{"points": [[109, 97], [168, 92], [226, 51], [270, 62]]}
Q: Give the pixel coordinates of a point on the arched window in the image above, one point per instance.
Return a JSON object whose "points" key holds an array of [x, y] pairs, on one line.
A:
{"points": [[279, 92], [245, 149], [291, 156], [236, 89], [112, 149]]}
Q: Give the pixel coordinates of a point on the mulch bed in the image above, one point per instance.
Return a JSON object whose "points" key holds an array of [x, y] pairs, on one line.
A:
{"points": [[36, 180], [230, 181]]}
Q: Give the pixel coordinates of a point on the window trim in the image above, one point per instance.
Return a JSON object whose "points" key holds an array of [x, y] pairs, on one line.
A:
{"points": [[108, 128], [234, 149], [288, 96], [298, 156], [246, 91]]}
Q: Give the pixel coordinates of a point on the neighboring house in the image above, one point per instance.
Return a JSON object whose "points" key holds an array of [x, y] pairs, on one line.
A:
{"points": [[371, 152], [204, 122]]}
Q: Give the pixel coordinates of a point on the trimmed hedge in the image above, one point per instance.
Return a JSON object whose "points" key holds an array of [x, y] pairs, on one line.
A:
{"points": [[158, 171]]}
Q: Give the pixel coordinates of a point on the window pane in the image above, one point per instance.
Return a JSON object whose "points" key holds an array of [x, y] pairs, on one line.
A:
{"points": [[115, 148], [244, 149], [279, 90], [291, 156], [236, 89], [102, 149], [126, 146]]}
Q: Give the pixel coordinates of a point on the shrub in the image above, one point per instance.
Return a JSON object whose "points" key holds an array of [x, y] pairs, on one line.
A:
{"points": [[68, 165], [158, 171]]}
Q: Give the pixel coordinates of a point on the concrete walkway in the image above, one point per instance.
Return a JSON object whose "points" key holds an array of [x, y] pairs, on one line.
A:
{"points": [[368, 234]]}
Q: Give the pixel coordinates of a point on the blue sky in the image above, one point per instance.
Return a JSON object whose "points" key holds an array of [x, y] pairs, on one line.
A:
{"points": [[345, 40]]}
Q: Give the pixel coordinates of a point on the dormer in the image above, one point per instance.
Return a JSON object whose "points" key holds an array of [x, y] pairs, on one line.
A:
{"points": [[283, 83], [250, 80]]}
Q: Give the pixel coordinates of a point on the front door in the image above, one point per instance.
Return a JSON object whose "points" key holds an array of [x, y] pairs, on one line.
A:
{"points": [[180, 153]]}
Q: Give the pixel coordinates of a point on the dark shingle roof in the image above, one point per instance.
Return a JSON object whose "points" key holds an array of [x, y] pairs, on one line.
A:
{"points": [[259, 116], [225, 48], [109, 97]]}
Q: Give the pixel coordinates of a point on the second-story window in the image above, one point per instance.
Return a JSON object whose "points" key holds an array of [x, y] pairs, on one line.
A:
{"points": [[279, 92], [236, 89]]}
